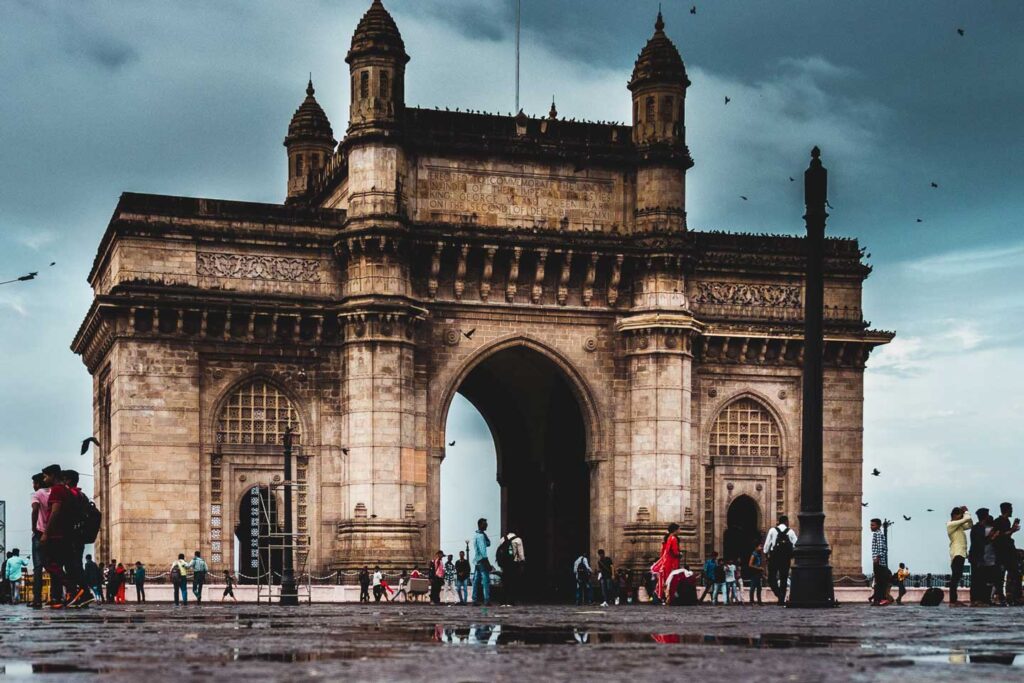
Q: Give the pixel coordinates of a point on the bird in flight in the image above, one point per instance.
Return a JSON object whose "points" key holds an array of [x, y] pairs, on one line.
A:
{"points": [[863, 505], [906, 518], [53, 263], [728, 99], [960, 31], [743, 198], [792, 179], [920, 221], [875, 472], [929, 510], [469, 335], [86, 442], [451, 443], [344, 450], [693, 10]]}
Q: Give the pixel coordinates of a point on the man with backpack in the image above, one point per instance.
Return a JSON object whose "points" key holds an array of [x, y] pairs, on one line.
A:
{"points": [[199, 569], [581, 570], [179, 579], [511, 560], [778, 547], [64, 543]]}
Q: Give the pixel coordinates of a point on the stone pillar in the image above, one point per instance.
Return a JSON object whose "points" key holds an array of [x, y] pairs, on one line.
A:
{"points": [[657, 343]]}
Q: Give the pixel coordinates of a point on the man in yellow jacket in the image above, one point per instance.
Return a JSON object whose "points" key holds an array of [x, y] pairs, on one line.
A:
{"points": [[956, 528]]}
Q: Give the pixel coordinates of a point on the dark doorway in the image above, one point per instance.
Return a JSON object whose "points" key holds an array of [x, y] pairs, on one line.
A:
{"points": [[540, 442], [743, 532], [257, 519]]}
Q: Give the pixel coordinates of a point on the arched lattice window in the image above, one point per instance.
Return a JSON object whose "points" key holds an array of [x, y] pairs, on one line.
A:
{"points": [[649, 110], [257, 414], [745, 428], [364, 84], [385, 85], [666, 109]]}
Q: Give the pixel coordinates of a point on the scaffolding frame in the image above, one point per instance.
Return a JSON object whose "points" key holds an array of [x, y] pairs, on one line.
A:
{"points": [[279, 542]]}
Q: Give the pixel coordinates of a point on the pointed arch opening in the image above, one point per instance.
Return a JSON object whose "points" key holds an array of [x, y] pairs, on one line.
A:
{"points": [[743, 530]]}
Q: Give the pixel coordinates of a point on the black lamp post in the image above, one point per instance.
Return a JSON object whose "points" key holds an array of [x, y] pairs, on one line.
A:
{"points": [[289, 592], [812, 573]]}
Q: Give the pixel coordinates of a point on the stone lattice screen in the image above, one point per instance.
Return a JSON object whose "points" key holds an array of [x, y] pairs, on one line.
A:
{"points": [[745, 428]]}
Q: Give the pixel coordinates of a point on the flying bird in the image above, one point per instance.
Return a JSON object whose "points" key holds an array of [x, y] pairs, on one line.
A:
{"points": [[920, 221], [792, 179], [906, 518], [469, 335], [86, 442], [929, 510], [693, 10], [934, 184], [863, 505], [23, 278], [344, 450], [743, 198], [728, 99], [960, 31], [451, 443], [875, 472], [53, 263]]}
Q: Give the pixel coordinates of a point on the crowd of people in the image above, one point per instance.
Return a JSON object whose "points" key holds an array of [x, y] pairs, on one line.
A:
{"points": [[64, 521]]}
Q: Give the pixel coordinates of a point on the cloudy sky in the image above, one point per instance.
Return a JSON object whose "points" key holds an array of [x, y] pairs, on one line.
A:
{"points": [[193, 98]]}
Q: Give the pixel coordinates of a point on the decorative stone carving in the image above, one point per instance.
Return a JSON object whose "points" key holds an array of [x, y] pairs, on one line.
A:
{"points": [[252, 267], [740, 294], [590, 345], [783, 394], [451, 336]]}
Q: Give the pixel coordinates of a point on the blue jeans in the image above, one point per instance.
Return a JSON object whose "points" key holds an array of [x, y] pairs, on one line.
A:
{"points": [[720, 589], [462, 588], [38, 561], [198, 579], [607, 590], [181, 587], [481, 584], [583, 589]]}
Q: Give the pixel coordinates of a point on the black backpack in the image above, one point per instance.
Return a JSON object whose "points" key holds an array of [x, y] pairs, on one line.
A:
{"points": [[505, 554], [783, 544], [582, 573], [932, 597], [84, 519]]}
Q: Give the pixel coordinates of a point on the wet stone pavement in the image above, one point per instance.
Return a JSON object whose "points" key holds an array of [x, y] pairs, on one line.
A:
{"points": [[450, 643]]}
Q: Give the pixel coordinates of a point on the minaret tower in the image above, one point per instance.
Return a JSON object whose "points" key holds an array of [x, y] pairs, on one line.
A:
{"points": [[659, 86], [310, 143]]}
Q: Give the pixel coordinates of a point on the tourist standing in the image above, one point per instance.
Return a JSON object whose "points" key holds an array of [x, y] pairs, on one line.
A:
{"points": [[122, 580], [110, 572], [60, 547], [880, 563], [364, 584], [1006, 552], [605, 577], [199, 569], [778, 547], [13, 568], [512, 561], [720, 577], [755, 566], [139, 579], [730, 581], [378, 589], [481, 565], [40, 517], [901, 582], [709, 575], [668, 562], [94, 577], [956, 528], [229, 587], [436, 577], [462, 574], [179, 579], [981, 578], [581, 570], [449, 579]]}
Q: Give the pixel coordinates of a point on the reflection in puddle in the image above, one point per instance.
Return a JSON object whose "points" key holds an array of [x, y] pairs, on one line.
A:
{"points": [[498, 634], [965, 657], [24, 668]]}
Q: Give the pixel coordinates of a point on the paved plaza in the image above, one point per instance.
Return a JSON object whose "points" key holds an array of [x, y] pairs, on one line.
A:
{"points": [[450, 643]]}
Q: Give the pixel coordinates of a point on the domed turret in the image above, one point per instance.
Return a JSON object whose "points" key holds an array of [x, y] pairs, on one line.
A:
{"points": [[658, 85], [310, 141], [376, 60]]}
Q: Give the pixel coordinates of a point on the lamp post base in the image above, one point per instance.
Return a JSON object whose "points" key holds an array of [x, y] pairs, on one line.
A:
{"points": [[289, 591], [812, 587]]}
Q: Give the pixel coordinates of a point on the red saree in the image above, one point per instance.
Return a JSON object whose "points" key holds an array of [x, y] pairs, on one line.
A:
{"points": [[666, 564]]}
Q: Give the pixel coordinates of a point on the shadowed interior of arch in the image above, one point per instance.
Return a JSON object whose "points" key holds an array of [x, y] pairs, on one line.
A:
{"points": [[743, 532], [539, 438]]}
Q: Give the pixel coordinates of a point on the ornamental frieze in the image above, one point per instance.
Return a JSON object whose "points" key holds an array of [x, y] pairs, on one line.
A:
{"points": [[250, 267], [740, 294]]}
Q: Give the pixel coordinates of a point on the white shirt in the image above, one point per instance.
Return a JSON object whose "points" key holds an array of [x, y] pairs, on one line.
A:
{"points": [[518, 554], [773, 535], [576, 564], [377, 576], [730, 573]]}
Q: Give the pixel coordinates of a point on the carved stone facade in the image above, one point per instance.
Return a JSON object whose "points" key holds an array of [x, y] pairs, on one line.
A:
{"points": [[633, 372]]}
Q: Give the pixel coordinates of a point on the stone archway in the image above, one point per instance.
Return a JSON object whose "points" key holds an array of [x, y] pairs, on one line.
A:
{"points": [[743, 531], [540, 433], [257, 519]]}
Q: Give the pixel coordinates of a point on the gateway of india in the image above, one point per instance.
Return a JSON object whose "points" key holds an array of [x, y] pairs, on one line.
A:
{"points": [[633, 371]]}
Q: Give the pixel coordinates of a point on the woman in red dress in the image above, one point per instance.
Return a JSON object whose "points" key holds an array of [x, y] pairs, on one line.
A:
{"points": [[121, 580], [667, 563]]}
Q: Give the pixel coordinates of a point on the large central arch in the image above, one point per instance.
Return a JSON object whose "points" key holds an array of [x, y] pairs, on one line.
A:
{"points": [[539, 415]]}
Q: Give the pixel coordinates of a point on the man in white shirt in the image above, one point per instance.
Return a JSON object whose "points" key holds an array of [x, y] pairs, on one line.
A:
{"points": [[378, 590], [778, 546]]}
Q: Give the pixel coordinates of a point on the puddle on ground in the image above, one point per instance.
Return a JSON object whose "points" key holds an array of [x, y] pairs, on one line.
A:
{"points": [[960, 657], [26, 668]]}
